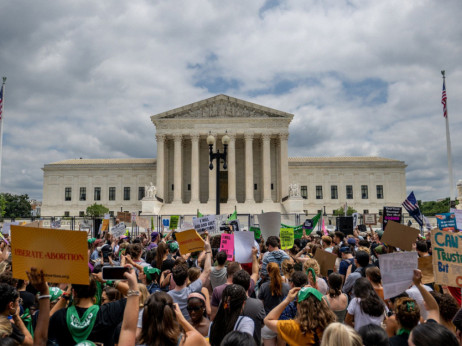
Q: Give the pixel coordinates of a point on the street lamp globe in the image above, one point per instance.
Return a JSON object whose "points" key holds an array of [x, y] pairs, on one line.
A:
{"points": [[210, 139], [225, 139]]}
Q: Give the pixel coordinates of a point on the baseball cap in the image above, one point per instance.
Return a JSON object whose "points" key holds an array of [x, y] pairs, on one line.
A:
{"points": [[345, 249]]}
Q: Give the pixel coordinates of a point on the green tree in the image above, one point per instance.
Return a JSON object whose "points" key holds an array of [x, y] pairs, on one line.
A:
{"points": [[14, 206], [97, 210], [341, 211], [430, 208]]}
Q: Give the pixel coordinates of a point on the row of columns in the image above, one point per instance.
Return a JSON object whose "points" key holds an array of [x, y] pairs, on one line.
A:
{"points": [[249, 181]]}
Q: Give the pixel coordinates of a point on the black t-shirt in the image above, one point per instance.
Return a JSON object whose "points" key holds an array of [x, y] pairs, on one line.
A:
{"points": [[17, 334], [109, 316], [399, 340]]}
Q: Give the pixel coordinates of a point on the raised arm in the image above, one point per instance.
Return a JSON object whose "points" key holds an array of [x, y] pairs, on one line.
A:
{"points": [[37, 280], [271, 320], [430, 302], [128, 330], [255, 265], [208, 261]]}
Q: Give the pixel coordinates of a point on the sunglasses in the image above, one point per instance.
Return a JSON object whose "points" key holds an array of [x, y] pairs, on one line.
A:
{"points": [[195, 308]]}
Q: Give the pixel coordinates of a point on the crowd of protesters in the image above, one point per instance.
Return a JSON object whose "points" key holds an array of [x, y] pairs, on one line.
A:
{"points": [[202, 298]]}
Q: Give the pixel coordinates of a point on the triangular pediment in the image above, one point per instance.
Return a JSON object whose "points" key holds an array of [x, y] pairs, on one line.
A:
{"points": [[222, 106]]}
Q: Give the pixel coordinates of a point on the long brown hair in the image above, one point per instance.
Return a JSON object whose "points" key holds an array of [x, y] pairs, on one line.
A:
{"points": [[313, 314], [275, 279], [162, 249]]}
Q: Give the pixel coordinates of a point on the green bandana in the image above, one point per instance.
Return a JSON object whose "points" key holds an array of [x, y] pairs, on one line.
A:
{"points": [[150, 270], [55, 293], [311, 270], [86, 343], [91, 240], [403, 331], [81, 327], [305, 292], [27, 319]]}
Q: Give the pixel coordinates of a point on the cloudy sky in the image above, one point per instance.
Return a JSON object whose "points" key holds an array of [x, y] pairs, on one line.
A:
{"points": [[362, 77]]}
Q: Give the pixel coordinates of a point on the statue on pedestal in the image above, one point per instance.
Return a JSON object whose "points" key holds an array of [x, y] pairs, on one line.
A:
{"points": [[294, 190], [151, 191]]}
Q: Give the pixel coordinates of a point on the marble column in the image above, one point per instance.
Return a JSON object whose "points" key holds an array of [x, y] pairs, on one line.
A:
{"points": [[195, 168], [213, 174], [178, 169], [232, 169], [249, 198], [284, 164], [266, 171], [160, 167]]}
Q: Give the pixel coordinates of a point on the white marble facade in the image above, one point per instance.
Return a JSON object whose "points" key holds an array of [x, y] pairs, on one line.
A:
{"points": [[257, 178]]}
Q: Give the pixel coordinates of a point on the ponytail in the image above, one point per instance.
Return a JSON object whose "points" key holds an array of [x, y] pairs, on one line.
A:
{"points": [[275, 279]]}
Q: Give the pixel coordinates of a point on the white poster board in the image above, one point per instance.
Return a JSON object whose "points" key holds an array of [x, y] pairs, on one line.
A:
{"points": [[270, 223], [458, 214], [206, 223], [243, 243], [118, 230], [397, 270]]}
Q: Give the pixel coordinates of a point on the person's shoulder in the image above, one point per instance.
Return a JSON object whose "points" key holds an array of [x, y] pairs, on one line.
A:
{"points": [[193, 338]]}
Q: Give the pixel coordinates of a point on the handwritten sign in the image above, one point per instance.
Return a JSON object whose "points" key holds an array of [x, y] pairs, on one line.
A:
{"points": [[62, 255], [227, 245], [205, 223], [174, 221], [458, 214], [446, 221], [189, 241], [370, 219], [397, 270], [142, 222], [447, 259], [287, 238], [391, 214], [124, 216], [243, 243], [118, 230], [400, 236], [425, 265]]}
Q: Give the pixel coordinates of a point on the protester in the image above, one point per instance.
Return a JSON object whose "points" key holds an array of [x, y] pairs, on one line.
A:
{"points": [[198, 314], [337, 334], [299, 279], [238, 338], [274, 254], [407, 314], [431, 334], [218, 275], [337, 300], [448, 309], [314, 275], [375, 278], [373, 335], [361, 262]]}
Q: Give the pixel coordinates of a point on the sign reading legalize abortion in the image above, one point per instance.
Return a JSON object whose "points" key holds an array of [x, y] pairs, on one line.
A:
{"points": [[447, 259], [62, 255]]}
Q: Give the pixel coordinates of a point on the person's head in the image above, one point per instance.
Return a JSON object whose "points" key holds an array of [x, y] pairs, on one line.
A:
{"points": [[447, 304], [339, 334], [299, 279], [242, 278], [273, 243], [345, 252], [159, 320], [457, 321], [275, 279], [109, 294], [312, 310], [326, 241], [431, 334], [334, 282], [421, 247], [9, 299], [287, 267], [338, 237], [373, 335], [370, 302], [152, 274], [231, 306], [232, 268], [196, 306], [134, 250], [221, 258], [407, 312], [316, 270], [84, 291], [155, 237], [362, 259], [373, 275], [180, 274], [238, 338], [193, 274]]}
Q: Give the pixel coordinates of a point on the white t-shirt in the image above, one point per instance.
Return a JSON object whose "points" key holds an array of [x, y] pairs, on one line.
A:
{"points": [[361, 318], [414, 293]]}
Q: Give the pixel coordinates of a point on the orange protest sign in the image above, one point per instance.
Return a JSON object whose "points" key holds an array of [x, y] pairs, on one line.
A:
{"points": [[62, 255], [189, 241], [105, 225]]}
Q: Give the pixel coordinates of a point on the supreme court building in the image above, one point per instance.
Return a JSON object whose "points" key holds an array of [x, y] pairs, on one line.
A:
{"points": [[260, 176]]}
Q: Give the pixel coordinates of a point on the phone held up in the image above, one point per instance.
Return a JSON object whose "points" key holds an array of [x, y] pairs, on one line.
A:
{"points": [[114, 273]]}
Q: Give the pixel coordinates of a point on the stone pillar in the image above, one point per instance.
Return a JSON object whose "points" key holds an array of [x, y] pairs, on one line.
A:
{"points": [[284, 164], [195, 168], [212, 174], [178, 169], [266, 171], [249, 168], [232, 169], [160, 166]]}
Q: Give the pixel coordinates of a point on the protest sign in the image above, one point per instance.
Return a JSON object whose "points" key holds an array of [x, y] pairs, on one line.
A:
{"points": [[205, 223], [243, 243], [166, 222], [55, 224], [287, 238], [397, 270], [458, 214], [370, 219], [355, 220], [62, 255], [142, 222], [36, 223], [227, 245], [118, 230], [326, 261], [270, 223], [425, 265], [189, 241], [256, 231], [308, 224], [298, 230], [446, 221], [107, 216], [105, 225], [124, 216], [174, 221], [400, 236], [447, 261], [391, 214]]}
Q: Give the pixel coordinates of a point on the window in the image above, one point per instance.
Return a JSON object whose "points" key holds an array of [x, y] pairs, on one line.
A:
{"points": [[318, 192], [333, 192], [141, 192], [68, 193], [379, 191], [189, 187], [366, 211], [364, 192], [304, 191], [349, 191], [81, 213], [272, 186], [111, 213], [66, 214], [126, 193], [255, 186], [83, 194], [112, 193], [97, 194]]}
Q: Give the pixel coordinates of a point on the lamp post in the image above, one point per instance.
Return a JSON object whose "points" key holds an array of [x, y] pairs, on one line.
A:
{"points": [[218, 157]]}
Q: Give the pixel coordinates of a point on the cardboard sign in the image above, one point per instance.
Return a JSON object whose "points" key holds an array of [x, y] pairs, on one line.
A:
{"points": [[174, 221], [105, 225], [425, 265], [256, 231], [446, 221], [227, 245], [118, 230], [189, 241], [287, 238], [397, 270], [124, 216], [370, 219], [458, 214], [243, 243], [62, 255], [392, 214], [400, 236], [205, 223], [447, 260], [270, 223], [142, 222], [326, 261]]}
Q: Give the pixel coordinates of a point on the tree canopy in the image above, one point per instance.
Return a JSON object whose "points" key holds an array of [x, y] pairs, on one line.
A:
{"points": [[97, 210], [431, 208], [341, 211], [14, 206]]}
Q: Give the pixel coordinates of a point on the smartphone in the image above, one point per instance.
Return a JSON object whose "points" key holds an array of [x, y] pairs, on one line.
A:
{"points": [[114, 273]]}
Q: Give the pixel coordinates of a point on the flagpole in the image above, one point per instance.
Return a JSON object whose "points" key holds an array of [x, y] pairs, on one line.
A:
{"points": [[448, 145], [2, 106]]}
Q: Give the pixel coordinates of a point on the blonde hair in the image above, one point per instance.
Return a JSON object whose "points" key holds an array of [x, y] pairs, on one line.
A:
{"points": [[144, 294], [287, 268], [339, 334], [5, 327], [312, 263], [365, 249]]}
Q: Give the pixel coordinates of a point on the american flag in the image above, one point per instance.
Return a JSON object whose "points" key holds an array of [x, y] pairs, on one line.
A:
{"points": [[1, 102], [410, 204], [444, 99]]}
